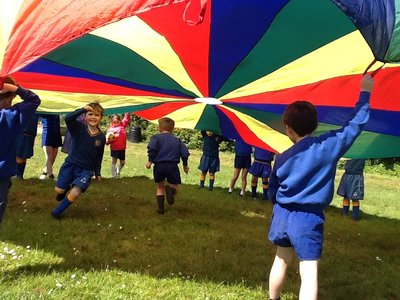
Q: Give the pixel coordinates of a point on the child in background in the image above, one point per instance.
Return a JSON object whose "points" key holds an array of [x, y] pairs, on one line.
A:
{"points": [[116, 138], [301, 186], [165, 151], [261, 168], [51, 141], [13, 118], [25, 143], [84, 161], [209, 161], [242, 164], [351, 186]]}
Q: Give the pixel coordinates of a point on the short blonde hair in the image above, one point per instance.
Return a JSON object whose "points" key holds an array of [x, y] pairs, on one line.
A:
{"points": [[166, 124]]}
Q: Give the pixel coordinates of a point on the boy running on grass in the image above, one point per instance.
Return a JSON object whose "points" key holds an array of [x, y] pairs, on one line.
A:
{"points": [[85, 158], [301, 186], [165, 150]]}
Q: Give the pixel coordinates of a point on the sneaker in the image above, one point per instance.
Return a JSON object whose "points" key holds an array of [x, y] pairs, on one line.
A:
{"points": [[43, 176], [170, 192], [241, 193], [55, 216], [230, 191]]}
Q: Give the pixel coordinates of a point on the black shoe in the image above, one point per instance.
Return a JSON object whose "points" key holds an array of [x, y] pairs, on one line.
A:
{"points": [[170, 192]]}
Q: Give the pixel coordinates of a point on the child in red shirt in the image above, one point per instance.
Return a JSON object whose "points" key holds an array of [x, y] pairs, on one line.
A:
{"points": [[116, 138]]}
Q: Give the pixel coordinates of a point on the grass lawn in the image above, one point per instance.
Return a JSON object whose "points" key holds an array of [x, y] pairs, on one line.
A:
{"points": [[112, 244]]}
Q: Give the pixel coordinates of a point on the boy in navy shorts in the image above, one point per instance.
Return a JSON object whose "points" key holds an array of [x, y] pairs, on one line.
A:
{"points": [[165, 151], [84, 161], [261, 168], [301, 186]]}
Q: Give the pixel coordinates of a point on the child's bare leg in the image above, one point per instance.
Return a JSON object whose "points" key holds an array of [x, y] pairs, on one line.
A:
{"points": [[121, 165], [309, 279], [244, 181], [114, 161], [277, 275], [236, 173]]}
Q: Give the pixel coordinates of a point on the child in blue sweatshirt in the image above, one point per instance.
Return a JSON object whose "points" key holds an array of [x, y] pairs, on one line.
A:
{"points": [[13, 118], [83, 162], [301, 186], [165, 151]]}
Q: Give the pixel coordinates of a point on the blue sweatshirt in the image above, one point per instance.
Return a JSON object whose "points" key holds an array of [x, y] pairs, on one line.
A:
{"points": [[89, 150], [165, 147], [211, 143], [303, 176], [12, 121]]}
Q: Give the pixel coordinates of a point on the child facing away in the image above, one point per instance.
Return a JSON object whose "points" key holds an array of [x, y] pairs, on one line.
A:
{"points": [[242, 164], [351, 186], [84, 161], [301, 186], [165, 151], [116, 138], [261, 168], [209, 161], [13, 118]]}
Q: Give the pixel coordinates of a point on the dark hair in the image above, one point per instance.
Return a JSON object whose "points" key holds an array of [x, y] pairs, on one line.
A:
{"points": [[301, 116], [8, 95], [166, 124]]}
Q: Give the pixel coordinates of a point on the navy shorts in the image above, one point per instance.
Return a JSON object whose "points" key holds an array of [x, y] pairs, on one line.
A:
{"points": [[167, 170], [209, 164], [242, 162], [260, 169], [71, 175], [120, 154], [304, 231], [24, 145], [351, 187], [53, 139]]}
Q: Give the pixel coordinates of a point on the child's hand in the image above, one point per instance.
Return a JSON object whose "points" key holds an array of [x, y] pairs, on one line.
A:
{"points": [[148, 164], [88, 108], [186, 169], [367, 83], [7, 87]]}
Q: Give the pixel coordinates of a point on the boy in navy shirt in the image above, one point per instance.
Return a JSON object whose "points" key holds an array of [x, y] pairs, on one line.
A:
{"points": [[165, 150], [209, 161], [13, 118], [84, 161], [301, 186]]}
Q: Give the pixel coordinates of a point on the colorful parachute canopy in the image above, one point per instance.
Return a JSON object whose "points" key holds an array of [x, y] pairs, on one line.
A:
{"points": [[230, 66]]}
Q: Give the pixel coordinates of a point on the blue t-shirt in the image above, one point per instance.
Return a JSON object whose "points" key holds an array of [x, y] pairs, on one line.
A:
{"points": [[242, 148]]}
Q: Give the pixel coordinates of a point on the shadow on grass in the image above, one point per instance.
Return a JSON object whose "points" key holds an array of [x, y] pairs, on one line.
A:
{"points": [[204, 236]]}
